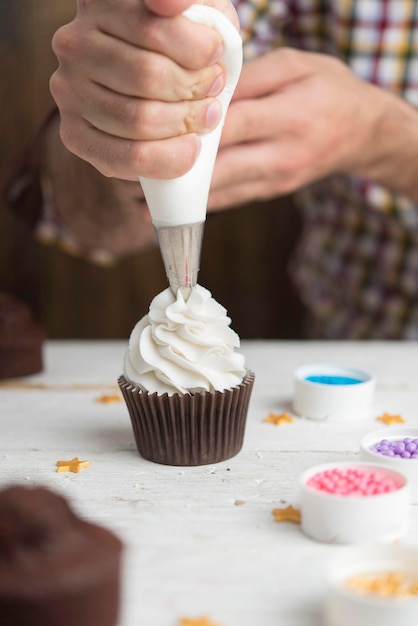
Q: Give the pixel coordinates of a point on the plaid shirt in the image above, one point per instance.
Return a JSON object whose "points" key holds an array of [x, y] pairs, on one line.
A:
{"points": [[356, 269]]}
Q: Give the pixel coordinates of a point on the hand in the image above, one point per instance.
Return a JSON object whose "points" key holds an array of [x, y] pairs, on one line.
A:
{"points": [[99, 213], [297, 117], [136, 84]]}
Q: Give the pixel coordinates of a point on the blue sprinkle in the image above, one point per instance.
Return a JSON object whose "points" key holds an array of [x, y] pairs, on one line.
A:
{"points": [[323, 379]]}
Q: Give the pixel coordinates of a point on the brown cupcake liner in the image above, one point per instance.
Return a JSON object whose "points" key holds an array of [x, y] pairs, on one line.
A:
{"points": [[197, 429]]}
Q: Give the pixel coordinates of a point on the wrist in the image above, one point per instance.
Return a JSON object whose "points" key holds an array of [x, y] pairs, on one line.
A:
{"points": [[87, 214]]}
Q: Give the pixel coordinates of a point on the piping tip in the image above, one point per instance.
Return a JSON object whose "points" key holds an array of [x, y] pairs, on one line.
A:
{"points": [[180, 248]]}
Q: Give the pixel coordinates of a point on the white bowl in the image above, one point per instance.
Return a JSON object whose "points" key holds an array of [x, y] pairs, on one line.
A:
{"points": [[346, 607], [318, 400], [331, 518], [409, 467]]}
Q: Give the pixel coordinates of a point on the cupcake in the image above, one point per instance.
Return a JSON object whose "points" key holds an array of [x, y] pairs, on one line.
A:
{"points": [[185, 384], [55, 568], [21, 339]]}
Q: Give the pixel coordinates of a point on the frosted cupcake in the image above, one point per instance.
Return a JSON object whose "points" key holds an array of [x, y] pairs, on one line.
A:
{"points": [[185, 384]]}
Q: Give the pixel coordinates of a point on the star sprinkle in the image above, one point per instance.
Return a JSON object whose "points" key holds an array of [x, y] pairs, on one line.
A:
{"points": [[74, 465], [289, 514], [197, 621], [388, 419], [278, 420], [108, 399], [392, 584]]}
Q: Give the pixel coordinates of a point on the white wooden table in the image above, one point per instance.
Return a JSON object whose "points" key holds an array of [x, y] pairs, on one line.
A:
{"points": [[199, 541]]}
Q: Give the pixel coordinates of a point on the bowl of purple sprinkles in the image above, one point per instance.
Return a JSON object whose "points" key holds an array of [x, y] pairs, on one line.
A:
{"points": [[396, 448]]}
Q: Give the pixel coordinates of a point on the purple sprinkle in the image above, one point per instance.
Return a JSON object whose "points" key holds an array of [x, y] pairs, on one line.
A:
{"points": [[406, 448]]}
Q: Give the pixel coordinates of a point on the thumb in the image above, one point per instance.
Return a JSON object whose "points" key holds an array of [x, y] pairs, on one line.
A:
{"points": [[168, 8], [271, 72]]}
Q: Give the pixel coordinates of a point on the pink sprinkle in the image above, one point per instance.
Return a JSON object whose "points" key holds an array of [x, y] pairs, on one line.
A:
{"points": [[352, 482]]}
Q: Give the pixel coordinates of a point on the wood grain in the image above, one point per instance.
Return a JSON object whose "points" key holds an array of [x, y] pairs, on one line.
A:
{"points": [[200, 540]]}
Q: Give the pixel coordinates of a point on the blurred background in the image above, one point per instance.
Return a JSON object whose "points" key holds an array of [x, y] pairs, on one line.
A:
{"points": [[245, 252]]}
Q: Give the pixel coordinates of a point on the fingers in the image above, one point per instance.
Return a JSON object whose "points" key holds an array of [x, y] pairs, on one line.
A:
{"points": [[174, 7], [243, 170], [168, 8], [252, 120], [272, 72], [127, 159], [191, 45], [135, 87], [145, 120], [133, 71]]}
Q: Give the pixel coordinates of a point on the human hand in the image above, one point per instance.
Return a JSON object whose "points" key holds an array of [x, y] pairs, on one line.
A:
{"points": [[136, 85], [105, 214], [295, 117]]}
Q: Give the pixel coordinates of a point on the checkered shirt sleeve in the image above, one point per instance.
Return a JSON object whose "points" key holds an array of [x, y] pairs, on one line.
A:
{"points": [[356, 269]]}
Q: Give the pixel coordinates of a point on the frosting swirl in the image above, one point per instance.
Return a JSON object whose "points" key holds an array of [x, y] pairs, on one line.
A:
{"points": [[184, 346]]}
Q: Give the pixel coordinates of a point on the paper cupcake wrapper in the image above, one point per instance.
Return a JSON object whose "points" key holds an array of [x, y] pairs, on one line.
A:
{"points": [[197, 429]]}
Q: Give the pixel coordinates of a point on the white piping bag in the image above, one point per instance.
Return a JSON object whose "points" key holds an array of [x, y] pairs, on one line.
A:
{"points": [[178, 206]]}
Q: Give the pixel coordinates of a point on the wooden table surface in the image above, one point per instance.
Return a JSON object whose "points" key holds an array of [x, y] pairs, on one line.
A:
{"points": [[200, 541]]}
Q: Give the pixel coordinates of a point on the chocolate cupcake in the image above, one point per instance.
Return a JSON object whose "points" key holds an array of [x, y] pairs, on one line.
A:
{"points": [[55, 569], [21, 339], [185, 385]]}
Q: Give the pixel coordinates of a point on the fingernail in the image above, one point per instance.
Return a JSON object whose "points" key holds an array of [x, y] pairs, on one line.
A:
{"points": [[213, 114], [217, 86], [218, 53]]}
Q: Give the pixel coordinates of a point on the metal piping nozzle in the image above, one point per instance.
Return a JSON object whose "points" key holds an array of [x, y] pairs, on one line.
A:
{"points": [[180, 248]]}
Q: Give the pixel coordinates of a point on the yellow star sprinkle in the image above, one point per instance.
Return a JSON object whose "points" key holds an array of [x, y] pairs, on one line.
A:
{"points": [[197, 621], [108, 399], [390, 584], [283, 418], [74, 465], [388, 419], [289, 514]]}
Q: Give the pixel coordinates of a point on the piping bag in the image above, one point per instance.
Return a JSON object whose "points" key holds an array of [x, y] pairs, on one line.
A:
{"points": [[178, 206]]}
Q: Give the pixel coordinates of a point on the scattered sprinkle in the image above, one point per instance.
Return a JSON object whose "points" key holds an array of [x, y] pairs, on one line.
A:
{"points": [[388, 419], [278, 419], [197, 621], [109, 399], [74, 465], [289, 514], [393, 584]]}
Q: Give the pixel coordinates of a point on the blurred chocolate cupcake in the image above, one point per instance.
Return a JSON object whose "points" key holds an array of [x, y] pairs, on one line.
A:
{"points": [[55, 568], [21, 339], [185, 385]]}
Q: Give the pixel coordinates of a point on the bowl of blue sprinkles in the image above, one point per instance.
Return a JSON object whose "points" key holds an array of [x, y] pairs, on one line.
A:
{"points": [[324, 391], [396, 448]]}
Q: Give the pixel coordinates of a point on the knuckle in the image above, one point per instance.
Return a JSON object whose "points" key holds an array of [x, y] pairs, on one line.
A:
{"points": [[190, 121], [57, 87], [206, 50], [146, 119], [65, 43]]}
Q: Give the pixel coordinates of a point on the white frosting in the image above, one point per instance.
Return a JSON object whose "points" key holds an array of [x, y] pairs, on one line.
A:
{"points": [[184, 347]]}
